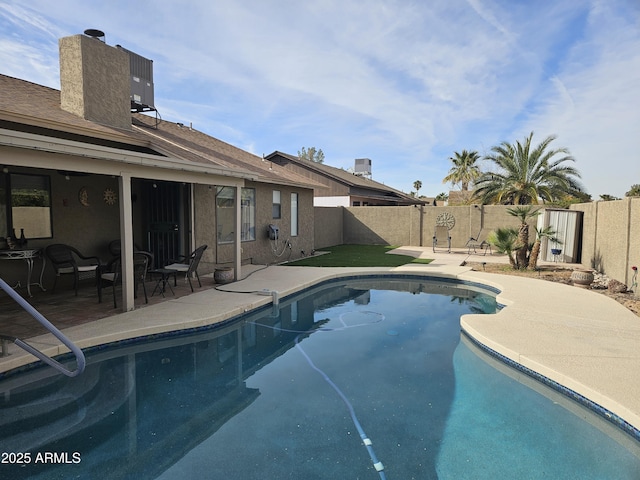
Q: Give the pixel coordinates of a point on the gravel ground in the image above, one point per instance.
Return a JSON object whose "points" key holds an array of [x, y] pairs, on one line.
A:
{"points": [[563, 275]]}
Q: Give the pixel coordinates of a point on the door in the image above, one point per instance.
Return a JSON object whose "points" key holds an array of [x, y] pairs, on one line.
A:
{"points": [[166, 207]]}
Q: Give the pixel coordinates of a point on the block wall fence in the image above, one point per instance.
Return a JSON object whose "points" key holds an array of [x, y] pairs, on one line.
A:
{"points": [[610, 230]]}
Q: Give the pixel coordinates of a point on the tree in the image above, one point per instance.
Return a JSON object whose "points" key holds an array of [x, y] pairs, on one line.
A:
{"points": [[417, 185], [527, 175], [312, 155], [464, 170], [506, 241], [546, 232], [572, 198], [605, 197], [442, 196], [523, 213], [634, 191]]}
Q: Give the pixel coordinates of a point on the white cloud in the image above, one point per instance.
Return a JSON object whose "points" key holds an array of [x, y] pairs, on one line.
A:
{"points": [[592, 104], [402, 82]]}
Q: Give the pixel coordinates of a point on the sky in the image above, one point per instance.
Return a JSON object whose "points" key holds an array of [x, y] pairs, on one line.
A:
{"points": [[404, 83]]}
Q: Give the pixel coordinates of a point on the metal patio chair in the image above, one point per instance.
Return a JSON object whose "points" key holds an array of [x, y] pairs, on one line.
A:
{"points": [[479, 241], [441, 238]]}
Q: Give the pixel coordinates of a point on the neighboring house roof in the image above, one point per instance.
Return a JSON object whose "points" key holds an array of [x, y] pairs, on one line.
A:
{"points": [[357, 185], [35, 110]]}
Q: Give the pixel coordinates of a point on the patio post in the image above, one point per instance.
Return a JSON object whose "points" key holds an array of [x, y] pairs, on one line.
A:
{"points": [[237, 241], [126, 241]]}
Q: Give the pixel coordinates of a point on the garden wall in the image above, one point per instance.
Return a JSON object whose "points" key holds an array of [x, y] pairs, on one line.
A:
{"points": [[328, 226], [611, 237], [610, 233], [408, 225]]}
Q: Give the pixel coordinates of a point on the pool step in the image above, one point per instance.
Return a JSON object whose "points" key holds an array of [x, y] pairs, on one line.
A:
{"points": [[62, 412]]}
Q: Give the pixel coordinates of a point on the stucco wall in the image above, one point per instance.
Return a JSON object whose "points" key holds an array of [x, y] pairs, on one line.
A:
{"points": [[95, 81], [610, 234], [611, 237], [377, 225], [89, 228], [411, 225], [328, 227], [262, 250]]}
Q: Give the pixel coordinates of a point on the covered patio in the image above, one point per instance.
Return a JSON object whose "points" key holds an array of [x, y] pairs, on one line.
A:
{"points": [[64, 309]]}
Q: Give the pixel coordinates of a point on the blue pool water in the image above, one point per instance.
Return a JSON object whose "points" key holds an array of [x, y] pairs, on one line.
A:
{"points": [[291, 393]]}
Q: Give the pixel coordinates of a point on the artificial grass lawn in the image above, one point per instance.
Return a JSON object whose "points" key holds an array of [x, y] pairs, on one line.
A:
{"points": [[357, 256]]}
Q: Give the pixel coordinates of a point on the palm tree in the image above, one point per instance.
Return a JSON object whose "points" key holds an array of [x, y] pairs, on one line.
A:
{"points": [[605, 197], [634, 191], [523, 214], [506, 241], [527, 175], [464, 170], [417, 185], [546, 232]]}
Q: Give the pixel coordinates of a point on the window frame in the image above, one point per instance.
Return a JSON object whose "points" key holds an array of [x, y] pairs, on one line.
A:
{"points": [[276, 206], [8, 204], [295, 224], [247, 212]]}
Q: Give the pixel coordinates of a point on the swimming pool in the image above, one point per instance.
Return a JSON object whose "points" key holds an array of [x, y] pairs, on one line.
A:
{"points": [[366, 379]]}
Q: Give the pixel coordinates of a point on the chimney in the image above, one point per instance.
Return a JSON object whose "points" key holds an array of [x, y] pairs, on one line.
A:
{"points": [[95, 80]]}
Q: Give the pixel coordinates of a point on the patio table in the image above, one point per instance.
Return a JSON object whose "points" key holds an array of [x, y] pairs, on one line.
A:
{"points": [[163, 281], [28, 255]]}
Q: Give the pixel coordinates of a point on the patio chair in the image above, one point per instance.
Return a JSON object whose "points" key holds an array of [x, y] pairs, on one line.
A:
{"points": [[189, 266], [67, 260], [114, 248], [142, 262], [441, 238], [479, 241], [111, 273]]}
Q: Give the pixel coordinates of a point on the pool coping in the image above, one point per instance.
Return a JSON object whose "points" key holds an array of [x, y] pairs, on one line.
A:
{"points": [[587, 347]]}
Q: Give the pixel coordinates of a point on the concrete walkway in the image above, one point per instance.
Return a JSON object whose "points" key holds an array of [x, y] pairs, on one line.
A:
{"points": [[580, 339]]}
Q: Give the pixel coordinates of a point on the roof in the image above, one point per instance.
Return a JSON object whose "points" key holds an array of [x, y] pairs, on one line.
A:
{"points": [[189, 143], [35, 110], [377, 189]]}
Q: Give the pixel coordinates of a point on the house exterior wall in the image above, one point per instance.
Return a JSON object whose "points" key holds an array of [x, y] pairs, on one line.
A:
{"points": [[330, 188], [95, 81], [89, 228], [332, 201], [262, 250]]}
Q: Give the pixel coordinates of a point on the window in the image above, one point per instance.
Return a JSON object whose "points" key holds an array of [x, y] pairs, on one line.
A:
{"points": [[277, 208], [225, 214], [248, 214], [25, 204], [294, 214]]}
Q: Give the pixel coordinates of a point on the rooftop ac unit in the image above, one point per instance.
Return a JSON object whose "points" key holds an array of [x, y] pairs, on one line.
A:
{"points": [[141, 81]]}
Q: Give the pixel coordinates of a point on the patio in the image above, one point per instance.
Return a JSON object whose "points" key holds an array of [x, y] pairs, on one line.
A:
{"points": [[64, 309]]}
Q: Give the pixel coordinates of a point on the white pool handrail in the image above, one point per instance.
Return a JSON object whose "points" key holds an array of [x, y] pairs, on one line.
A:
{"points": [[80, 359]]}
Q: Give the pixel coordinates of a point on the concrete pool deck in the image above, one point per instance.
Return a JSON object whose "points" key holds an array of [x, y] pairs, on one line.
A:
{"points": [[580, 339]]}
